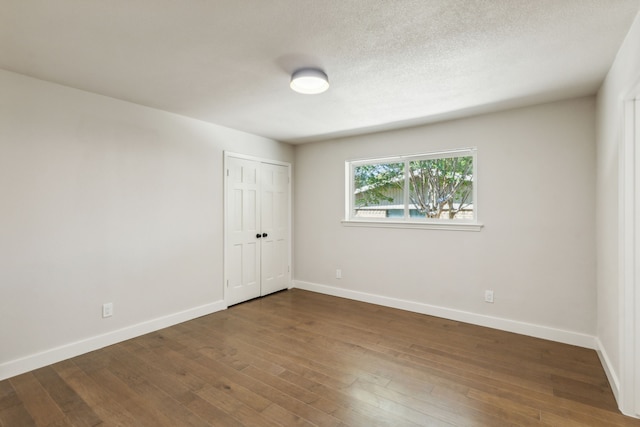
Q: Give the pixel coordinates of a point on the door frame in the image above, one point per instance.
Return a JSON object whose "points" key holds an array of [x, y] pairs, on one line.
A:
{"points": [[629, 257], [225, 257]]}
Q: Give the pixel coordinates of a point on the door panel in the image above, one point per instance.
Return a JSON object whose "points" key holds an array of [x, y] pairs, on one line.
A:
{"points": [[242, 261], [275, 247]]}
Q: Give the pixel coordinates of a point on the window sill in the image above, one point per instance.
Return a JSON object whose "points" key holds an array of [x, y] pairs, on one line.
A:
{"points": [[453, 226]]}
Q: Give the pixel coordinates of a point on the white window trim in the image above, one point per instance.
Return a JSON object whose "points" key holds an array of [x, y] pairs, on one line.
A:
{"points": [[429, 224], [452, 225]]}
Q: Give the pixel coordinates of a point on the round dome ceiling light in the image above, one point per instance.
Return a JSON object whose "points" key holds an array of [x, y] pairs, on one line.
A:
{"points": [[309, 81]]}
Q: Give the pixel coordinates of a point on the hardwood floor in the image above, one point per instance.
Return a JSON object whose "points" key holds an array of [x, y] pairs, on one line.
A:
{"points": [[298, 358]]}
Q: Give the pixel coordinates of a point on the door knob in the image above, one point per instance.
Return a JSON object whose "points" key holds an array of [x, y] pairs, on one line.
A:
{"points": [[264, 234], [258, 235]]}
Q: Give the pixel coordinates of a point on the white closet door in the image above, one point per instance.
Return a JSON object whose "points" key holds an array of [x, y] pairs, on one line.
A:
{"points": [[243, 225], [275, 228], [257, 224]]}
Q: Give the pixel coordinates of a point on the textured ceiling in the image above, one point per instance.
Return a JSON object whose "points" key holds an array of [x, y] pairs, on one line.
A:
{"points": [[391, 63]]}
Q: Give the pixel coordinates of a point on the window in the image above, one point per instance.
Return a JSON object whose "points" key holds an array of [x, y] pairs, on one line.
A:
{"points": [[436, 190]]}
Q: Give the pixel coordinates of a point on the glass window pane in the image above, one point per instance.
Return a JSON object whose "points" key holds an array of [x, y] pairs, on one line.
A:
{"points": [[378, 190], [441, 188]]}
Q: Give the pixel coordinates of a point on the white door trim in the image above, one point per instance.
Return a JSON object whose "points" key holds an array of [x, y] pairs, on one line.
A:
{"points": [[254, 158], [629, 238], [225, 165], [633, 315]]}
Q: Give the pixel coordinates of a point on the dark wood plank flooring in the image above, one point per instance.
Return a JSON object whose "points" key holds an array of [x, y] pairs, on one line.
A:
{"points": [[299, 358]]}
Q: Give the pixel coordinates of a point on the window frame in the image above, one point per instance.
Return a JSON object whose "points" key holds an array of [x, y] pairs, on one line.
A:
{"points": [[407, 221]]}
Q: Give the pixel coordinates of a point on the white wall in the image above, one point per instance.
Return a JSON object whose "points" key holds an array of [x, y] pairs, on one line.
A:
{"points": [[623, 76], [536, 199], [105, 201]]}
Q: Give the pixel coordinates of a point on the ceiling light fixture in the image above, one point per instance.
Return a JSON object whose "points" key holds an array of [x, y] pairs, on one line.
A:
{"points": [[309, 81]]}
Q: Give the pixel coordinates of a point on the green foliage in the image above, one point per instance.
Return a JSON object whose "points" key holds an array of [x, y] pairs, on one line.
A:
{"points": [[374, 180]]}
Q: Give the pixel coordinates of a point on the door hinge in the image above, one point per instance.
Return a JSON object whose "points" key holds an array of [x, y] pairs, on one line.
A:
{"points": [[288, 269], [227, 283], [227, 172]]}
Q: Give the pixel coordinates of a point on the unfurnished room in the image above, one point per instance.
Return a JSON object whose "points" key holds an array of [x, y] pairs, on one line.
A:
{"points": [[319, 213]]}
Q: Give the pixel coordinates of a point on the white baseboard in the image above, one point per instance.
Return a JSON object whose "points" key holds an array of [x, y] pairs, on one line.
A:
{"points": [[54, 355], [533, 330], [608, 369]]}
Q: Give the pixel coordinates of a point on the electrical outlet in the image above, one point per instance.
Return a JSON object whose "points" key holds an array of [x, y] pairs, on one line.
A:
{"points": [[338, 274], [107, 309], [488, 296]]}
